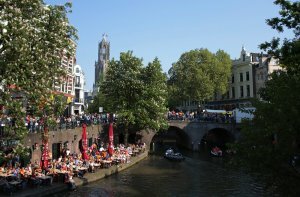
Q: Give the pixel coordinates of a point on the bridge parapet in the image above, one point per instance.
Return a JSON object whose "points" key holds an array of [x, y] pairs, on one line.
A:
{"points": [[200, 124]]}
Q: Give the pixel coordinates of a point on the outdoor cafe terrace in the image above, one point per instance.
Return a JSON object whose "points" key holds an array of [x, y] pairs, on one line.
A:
{"points": [[17, 178]]}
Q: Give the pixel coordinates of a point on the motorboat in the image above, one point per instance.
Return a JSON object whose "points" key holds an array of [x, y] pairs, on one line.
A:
{"points": [[173, 156], [216, 151]]}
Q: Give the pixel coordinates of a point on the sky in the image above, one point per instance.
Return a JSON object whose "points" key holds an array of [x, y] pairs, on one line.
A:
{"points": [[168, 28]]}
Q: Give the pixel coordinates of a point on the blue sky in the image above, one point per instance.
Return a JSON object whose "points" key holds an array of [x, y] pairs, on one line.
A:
{"points": [[168, 28]]}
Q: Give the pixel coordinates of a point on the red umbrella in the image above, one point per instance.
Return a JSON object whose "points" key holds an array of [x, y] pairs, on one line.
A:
{"points": [[45, 155], [111, 139], [84, 142]]}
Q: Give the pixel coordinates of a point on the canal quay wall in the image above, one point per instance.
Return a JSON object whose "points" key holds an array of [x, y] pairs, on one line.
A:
{"points": [[58, 139], [101, 173]]}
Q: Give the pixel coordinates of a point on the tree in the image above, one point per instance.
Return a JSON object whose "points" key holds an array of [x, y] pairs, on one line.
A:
{"points": [[173, 90], [274, 138], [131, 91], [98, 100], [198, 74], [59, 104], [152, 110], [33, 38]]}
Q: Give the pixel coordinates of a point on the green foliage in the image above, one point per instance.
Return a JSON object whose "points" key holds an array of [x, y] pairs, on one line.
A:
{"points": [[59, 103], [173, 100], [99, 100], [136, 94], [274, 138], [198, 74], [153, 103], [33, 38]]}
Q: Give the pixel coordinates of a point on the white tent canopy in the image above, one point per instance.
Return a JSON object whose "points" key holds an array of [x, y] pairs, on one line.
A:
{"points": [[215, 111]]}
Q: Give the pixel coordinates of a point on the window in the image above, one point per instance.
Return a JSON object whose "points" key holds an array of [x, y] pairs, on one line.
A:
{"points": [[248, 90], [247, 76], [232, 79], [77, 81], [241, 77], [77, 94], [77, 70], [62, 87], [232, 92], [244, 57], [242, 91]]}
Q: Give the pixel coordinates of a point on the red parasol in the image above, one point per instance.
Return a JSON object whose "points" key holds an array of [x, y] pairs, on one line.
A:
{"points": [[84, 142], [111, 139], [45, 153]]}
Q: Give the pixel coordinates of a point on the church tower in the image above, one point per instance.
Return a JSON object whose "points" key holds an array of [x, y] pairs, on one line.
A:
{"points": [[102, 62]]}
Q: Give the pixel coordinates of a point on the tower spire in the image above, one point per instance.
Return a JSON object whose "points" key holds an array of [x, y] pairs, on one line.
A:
{"points": [[243, 48], [104, 37], [102, 63]]}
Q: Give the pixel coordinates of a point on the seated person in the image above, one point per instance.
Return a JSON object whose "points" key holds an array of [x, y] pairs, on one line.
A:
{"points": [[22, 172]]}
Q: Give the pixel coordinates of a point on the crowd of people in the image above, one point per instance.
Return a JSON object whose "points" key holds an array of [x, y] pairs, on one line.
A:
{"points": [[35, 124], [15, 176], [202, 116]]}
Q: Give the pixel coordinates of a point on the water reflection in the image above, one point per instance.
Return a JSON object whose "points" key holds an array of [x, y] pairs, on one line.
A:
{"points": [[198, 175]]}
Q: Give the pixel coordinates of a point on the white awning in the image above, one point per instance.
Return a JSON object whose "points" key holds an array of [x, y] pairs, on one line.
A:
{"points": [[215, 111]]}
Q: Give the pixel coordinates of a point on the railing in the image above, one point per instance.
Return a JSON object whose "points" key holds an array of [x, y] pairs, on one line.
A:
{"points": [[216, 119], [7, 129]]}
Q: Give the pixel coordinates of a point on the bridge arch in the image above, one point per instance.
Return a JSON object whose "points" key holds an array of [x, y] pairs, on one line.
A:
{"points": [[173, 136], [193, 134], [217, 137]]}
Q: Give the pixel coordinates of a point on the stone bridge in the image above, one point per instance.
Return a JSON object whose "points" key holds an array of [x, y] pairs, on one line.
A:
{"points": [[193, 133]]}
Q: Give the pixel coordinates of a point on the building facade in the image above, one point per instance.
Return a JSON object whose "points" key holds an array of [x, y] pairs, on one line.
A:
{"points": [[88, 99], [242, 83], [249, 73], [78, 100], [266, 66], [102, 62], [66, 85]]}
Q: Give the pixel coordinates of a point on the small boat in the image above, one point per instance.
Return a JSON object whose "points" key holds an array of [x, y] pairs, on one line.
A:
{"points": [[216, 151], [173, 156]]}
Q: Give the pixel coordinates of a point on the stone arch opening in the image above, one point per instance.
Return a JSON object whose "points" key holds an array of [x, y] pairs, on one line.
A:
{"points": [[174, 136], [217, 137]]}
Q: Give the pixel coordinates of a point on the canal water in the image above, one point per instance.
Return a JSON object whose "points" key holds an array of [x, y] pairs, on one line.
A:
{"points": [[199, 175]]}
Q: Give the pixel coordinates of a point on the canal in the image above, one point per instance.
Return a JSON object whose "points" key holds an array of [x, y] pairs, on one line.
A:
{"points": [[199, 175]]}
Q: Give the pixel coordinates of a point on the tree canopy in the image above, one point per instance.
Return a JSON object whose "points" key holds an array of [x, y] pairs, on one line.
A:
{"points": [[274, 138], [199, 74], [137, 94], [33, 38]]}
